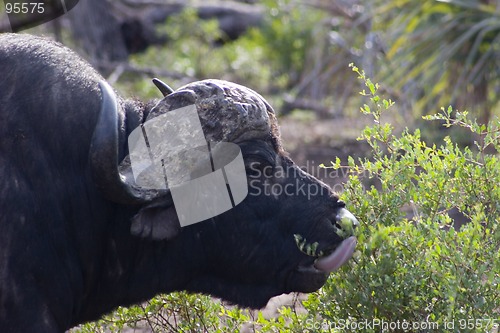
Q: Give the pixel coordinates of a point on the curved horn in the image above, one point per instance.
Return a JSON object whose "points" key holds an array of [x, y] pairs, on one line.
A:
{"points": [[163, 87], [104, 155]]}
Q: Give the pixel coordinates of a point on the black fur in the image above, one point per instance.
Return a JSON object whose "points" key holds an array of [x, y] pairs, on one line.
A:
{"points": [[67, 254]]}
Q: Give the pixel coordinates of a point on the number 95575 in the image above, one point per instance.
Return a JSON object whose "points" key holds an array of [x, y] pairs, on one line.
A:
{"points": [[25, 8]]}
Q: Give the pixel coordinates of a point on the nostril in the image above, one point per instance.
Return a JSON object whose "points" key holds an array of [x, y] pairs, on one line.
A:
{"points": [[337, 225]]}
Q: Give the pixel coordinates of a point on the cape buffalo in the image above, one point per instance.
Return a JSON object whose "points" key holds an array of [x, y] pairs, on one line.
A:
{"points": [[78, 237]]}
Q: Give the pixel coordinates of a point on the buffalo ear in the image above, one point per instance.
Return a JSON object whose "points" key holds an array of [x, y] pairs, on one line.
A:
{"points": [[156, 222]]}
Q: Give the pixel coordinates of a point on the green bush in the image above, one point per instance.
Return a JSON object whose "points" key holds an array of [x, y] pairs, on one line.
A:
{"points": [[424, 271], [415, 270]]}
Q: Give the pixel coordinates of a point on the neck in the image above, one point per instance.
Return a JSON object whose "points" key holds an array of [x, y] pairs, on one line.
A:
{"points": [[134, 269]]}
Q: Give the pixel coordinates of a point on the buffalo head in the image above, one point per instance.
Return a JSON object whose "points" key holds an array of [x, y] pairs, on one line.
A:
{"points": [[287, 235]]}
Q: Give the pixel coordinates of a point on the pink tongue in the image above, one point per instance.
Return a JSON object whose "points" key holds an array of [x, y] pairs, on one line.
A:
{"points": [[338, 257]]}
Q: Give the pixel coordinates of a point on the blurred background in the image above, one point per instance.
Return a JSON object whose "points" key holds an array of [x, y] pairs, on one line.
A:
{"points": [[426, 55]]}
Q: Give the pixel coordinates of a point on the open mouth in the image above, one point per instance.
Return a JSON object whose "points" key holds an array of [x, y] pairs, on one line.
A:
{"points": [[328, 262]]}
